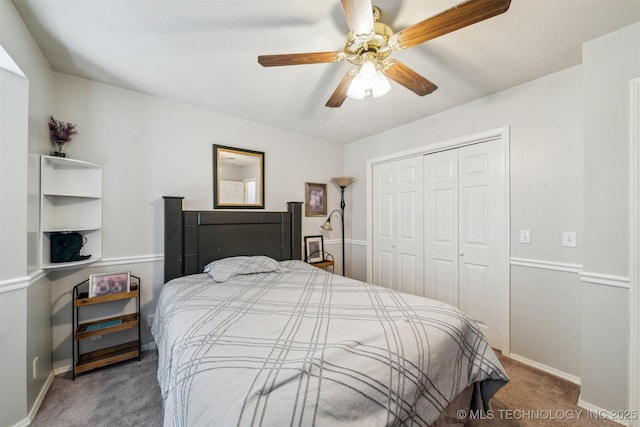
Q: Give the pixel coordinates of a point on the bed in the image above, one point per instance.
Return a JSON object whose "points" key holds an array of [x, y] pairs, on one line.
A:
{"points": [[249, 335]]}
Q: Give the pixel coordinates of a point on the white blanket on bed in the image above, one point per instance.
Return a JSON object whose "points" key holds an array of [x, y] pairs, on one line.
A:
{"points": [[306, 347]]}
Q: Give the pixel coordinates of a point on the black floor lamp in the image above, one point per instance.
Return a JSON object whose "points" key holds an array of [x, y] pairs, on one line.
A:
{"points": [[342, 182]]}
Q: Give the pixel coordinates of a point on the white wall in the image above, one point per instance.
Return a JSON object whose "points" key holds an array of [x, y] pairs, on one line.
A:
{"points": [[610, 63], [13, 173], [553, 120], [24, 301], [150, 147]]}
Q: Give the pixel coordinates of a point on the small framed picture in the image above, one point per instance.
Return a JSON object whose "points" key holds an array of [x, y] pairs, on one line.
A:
{"points": [[313, 249], [109, 283], [315, 199]]}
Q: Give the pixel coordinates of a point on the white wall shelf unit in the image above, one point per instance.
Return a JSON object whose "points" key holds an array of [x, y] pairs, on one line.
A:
{"points": [[70, 200]]}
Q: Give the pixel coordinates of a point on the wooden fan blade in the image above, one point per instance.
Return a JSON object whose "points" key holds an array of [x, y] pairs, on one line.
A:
{"points": [[300, 58], [359, 14], [460, 16], [340, 94], [400, 73]]}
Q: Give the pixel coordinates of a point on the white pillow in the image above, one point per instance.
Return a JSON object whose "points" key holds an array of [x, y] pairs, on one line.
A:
{"points": [[221, 270]]}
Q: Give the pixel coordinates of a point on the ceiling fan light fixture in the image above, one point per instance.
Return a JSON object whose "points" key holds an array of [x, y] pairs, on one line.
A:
{"points": [[370, 42], [382, 85], [368, 82]]}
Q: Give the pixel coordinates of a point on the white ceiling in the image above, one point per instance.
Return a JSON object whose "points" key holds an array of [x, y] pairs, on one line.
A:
{"points": [[204, 53]]}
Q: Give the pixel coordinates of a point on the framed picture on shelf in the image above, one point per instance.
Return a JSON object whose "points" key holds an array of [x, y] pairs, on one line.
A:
{"points": [[109, 283], [315, 199], [313, 249]]}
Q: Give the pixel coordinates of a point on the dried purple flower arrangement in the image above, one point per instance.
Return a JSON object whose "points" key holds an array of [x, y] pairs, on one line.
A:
{"points": [[60, 132]]}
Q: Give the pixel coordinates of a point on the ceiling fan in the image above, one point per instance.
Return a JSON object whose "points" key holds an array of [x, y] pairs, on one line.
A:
{"points": [[370, 43]]}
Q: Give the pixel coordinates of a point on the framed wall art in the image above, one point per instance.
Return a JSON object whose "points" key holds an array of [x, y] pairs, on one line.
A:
{"points": [[315, 199], [238, 178], [313, 249], [109, 283]]}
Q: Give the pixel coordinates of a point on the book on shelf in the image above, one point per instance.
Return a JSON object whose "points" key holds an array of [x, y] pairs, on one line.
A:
{"points": [[102, 325]]}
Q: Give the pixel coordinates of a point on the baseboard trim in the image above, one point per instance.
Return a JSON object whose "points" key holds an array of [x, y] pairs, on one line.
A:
{"points": [[548, 369], [601, 413], [23, 423], [62, 370], [36, 405]]}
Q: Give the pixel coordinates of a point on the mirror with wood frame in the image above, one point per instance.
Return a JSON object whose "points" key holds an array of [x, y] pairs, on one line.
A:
{"points": [[238, 178]]}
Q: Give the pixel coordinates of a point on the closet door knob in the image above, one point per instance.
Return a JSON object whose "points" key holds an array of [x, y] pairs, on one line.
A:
{"points": [[461, 253]]}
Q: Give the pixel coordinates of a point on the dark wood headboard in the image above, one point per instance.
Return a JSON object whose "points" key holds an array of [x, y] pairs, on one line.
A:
{"points": [[192, 239]]}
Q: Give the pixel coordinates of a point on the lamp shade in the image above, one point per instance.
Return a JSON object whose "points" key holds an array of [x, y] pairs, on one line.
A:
{"points": [[342, 181], [327, 225]]}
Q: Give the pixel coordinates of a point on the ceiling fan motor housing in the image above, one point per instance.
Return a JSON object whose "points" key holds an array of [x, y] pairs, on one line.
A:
{"points": [[369, 47]]}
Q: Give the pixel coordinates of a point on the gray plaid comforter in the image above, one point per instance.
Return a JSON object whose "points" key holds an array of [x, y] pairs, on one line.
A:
{"points": [[306, 347]]}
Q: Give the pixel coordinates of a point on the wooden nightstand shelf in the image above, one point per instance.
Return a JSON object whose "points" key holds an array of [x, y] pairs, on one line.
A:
{"points": [[327, 262], [322, 264], [83, 362]]}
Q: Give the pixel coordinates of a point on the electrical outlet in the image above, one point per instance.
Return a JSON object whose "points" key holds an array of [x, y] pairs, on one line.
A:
{"points": [[150, 319], [35, 367]]}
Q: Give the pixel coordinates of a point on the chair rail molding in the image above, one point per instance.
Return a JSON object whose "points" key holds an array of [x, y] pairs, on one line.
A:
{"points": [[14, 284], [605, 279], [546, 265], [136, 259], [585, 276]]}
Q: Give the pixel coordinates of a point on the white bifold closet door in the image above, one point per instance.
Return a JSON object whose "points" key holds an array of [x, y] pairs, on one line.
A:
{"points": [[398, 225], [464, 219], [440, 230]]}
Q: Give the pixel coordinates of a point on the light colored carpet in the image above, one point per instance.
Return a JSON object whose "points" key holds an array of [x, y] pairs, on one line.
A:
{"points": [[533, 398], [127, 394], [124, 394]]}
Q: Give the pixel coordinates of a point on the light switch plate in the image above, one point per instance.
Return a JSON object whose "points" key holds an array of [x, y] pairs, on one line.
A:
{"points": [[569, 239], [525, 236]]}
